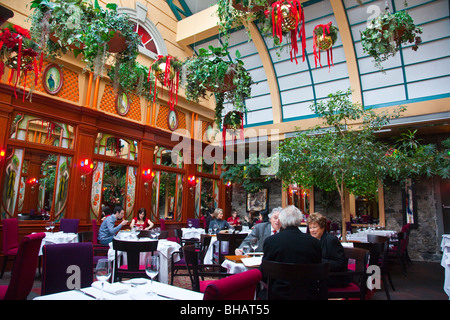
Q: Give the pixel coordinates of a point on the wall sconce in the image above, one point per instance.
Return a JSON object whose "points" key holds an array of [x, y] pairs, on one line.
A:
{"points": [[86, 167], [148, 176], [192, 182], [2, 155], [33, 182]]}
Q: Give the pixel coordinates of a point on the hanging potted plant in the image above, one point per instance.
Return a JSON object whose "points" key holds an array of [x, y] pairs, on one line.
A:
{"points": [[251, 5], [233, 122], [17, 52], [286, 19], [132, 77], [167, 70], [227, 79], [324, 37], [58, 26], [386, 33]]}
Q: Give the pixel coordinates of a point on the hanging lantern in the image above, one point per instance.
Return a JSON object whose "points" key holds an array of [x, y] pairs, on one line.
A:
{"points": [[324, 37], [167, 71], [287, 16]]}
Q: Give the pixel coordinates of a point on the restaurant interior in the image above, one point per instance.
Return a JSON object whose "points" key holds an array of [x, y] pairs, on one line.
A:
{"points": [[191, 110]]}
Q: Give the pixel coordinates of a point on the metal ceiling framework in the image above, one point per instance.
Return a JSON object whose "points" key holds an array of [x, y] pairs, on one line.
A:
{"points": [[284, 90]]}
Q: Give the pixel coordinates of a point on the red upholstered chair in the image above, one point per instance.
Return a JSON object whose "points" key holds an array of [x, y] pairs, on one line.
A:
{"points": [[100, 250], [10, 241], [357, 288], [240, 286], [24, 270]]}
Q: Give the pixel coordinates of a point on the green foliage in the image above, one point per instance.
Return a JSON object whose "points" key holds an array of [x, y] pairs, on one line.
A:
{"points": [[208, 71], [384, 35], [247, 174], [83, 28]]}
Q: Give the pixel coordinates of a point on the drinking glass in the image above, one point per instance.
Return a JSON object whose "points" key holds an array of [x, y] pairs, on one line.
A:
{"points": [[103, 272], [152, 269], [245, 250], [254, 243], [189, 224], [157, 232], [47, 226], [52, 225]]}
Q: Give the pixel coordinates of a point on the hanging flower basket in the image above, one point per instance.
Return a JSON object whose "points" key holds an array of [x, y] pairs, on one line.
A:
{"points": [[324, 37], [234, 121], [17, 52], [287, 17], [226, 85], [251, 5], [117, 43], [386, 33], [167, 70]]}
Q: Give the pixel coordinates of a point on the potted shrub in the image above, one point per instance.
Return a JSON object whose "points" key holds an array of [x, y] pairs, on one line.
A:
{"points": [[324, 37], [167, 70], [211, 71], [384, 35], [17, 52]]}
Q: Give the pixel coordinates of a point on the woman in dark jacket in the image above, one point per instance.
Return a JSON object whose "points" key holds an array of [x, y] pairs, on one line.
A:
{"points": [[332, 250]]}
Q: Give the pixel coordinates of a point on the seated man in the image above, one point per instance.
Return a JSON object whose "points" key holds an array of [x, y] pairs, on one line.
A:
{"points": [[262, 230], [107, 229], [290, 245]]}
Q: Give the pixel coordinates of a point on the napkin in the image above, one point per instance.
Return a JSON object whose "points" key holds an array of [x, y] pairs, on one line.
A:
{"points": [[112, 288], [252, 262]]}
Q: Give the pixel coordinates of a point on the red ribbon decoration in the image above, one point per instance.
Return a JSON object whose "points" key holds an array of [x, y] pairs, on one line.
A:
{"points": [[296, 11], [325, 27], [171, 84]]}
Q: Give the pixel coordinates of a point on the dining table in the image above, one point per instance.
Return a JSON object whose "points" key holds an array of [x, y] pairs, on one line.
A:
{"points": [[445, 261], [56, 238], [192, 233], [165, 250], [133, 289], [361, 236], [241, 263]]}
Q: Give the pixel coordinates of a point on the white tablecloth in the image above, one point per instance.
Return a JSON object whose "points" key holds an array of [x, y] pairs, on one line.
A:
{"points": [[189, 233], [127, 292], [361, 236], [445, 262], [58, 237], [234, 267], [165, 250]]}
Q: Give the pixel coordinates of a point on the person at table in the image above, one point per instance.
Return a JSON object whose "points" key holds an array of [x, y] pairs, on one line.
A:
{"points": [[250, 219], [108, 229], [106, 211], [262, 231], [217, 221], [234, 219], [332, 250], [141, 220], [290, 245]]}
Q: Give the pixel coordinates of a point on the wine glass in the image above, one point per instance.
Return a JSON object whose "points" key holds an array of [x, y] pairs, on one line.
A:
{"points": [[254, 243], [189, 224], [47, 226], [52, 225], [103, 272], [157, 232], [152, 269]]}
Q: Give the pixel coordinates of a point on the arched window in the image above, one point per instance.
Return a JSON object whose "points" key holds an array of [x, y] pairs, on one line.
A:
{"points": [[152, 41]]}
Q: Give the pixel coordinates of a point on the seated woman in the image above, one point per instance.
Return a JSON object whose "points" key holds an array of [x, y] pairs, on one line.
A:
{"points": [[234, 219], [332, 250], [217, 221], [141, 221]]}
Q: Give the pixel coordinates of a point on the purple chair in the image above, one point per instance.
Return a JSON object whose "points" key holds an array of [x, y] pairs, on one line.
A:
{"points": [[61, 262], [24, 270], [195, 222], [10, 241], [69, 225], [240, 286]]}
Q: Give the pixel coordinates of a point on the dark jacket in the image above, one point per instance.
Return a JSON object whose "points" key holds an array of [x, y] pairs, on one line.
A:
{"points": [[290, 245], [333, 253]]}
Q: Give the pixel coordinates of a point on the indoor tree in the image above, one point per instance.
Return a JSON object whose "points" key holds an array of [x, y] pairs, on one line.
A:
{"points": [[343, 154]]}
